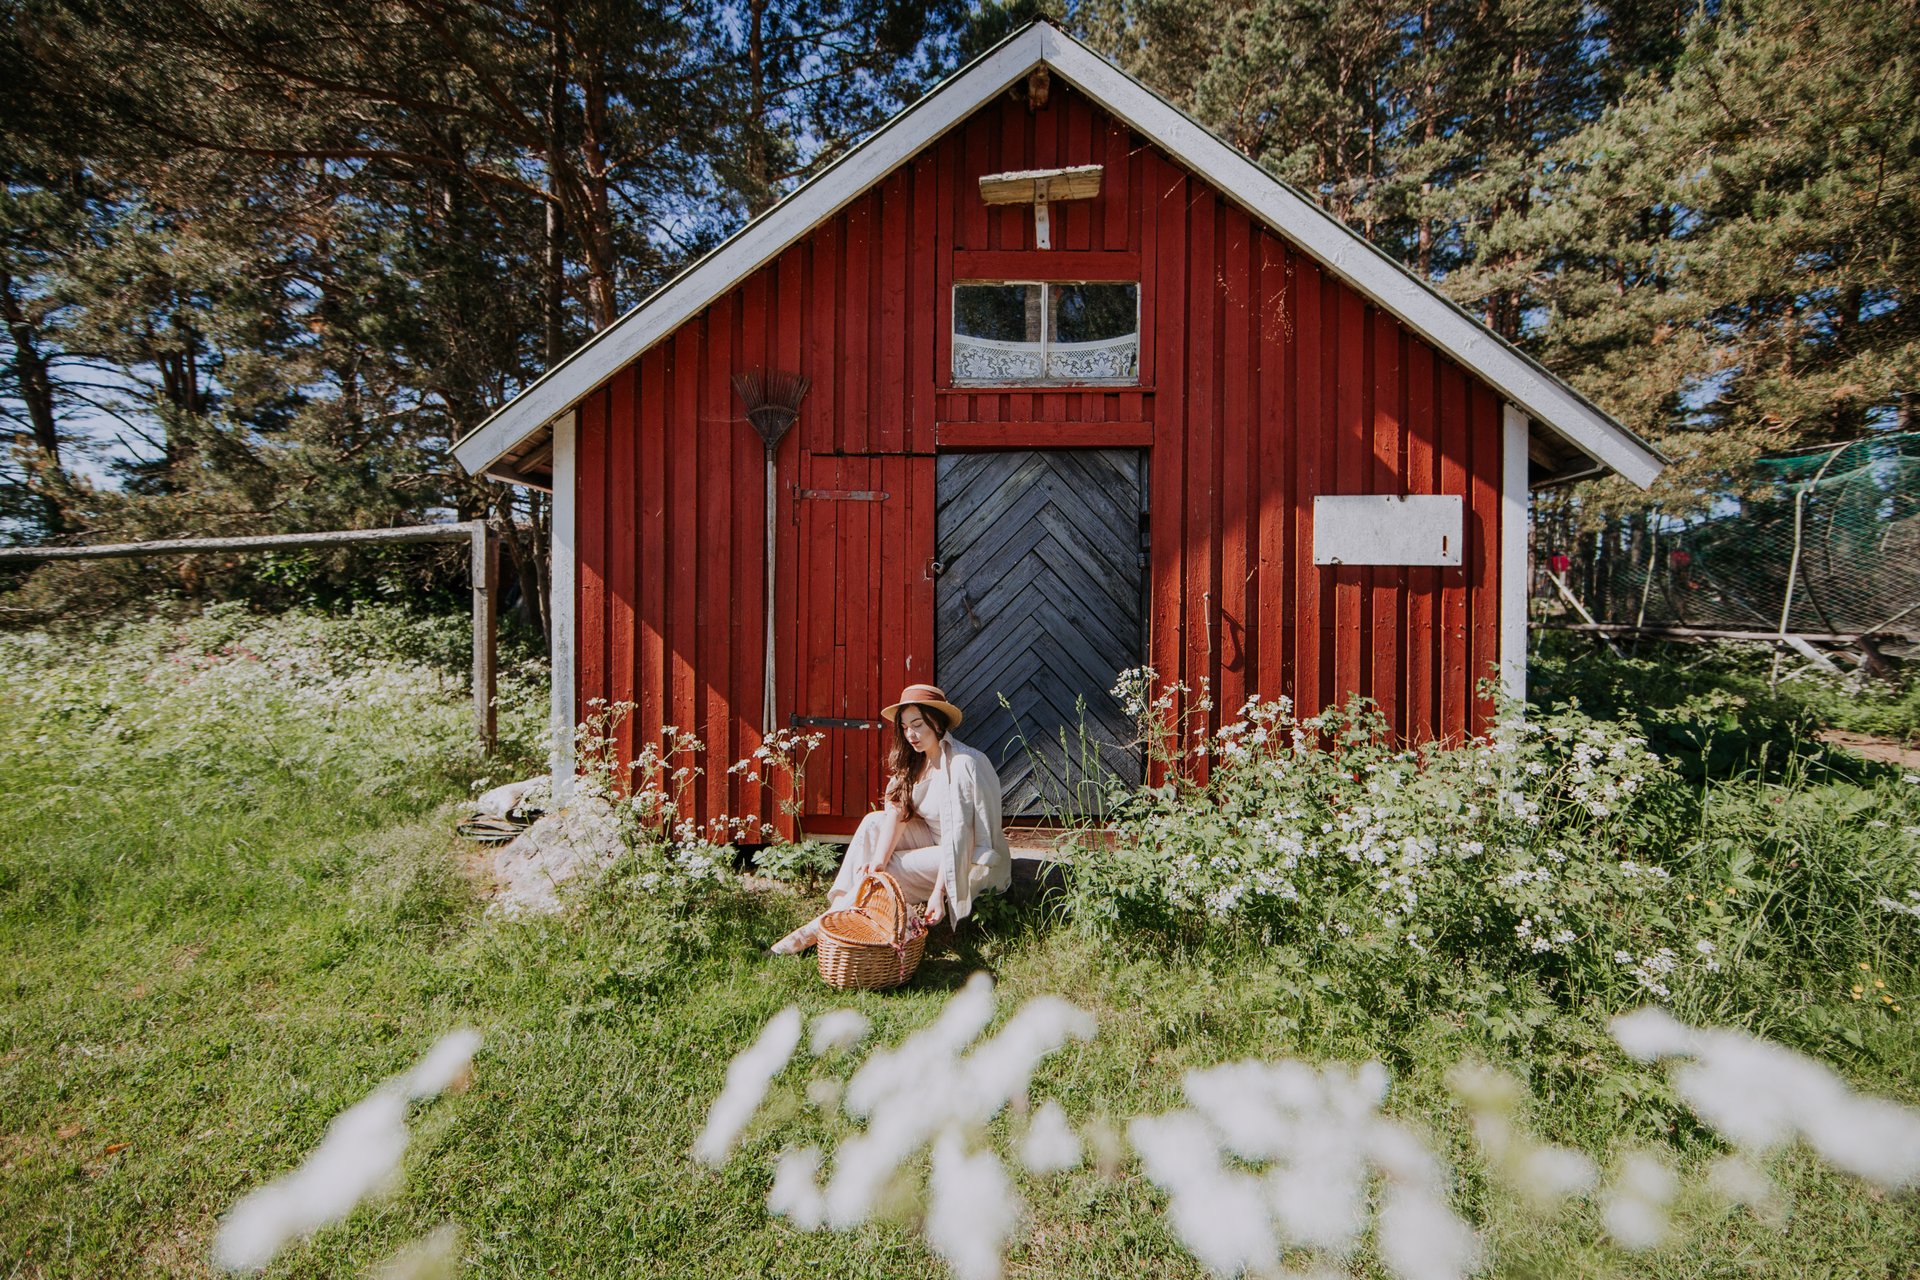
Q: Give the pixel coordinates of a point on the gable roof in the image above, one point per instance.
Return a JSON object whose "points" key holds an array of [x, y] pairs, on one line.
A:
{"points": [[1565, 422]]}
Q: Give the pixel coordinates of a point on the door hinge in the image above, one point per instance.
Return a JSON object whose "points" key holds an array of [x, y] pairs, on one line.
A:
{"points": [[843, 495], [833, 722]]}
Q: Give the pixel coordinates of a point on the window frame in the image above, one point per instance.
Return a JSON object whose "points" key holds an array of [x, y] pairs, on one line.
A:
{"points": [[1045, 345]]}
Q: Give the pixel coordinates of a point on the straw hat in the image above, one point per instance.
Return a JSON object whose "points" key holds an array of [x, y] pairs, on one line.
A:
{"points": [[924, 695]]}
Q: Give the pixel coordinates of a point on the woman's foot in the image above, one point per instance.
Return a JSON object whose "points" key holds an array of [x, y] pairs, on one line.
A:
{"points": [[799, 940]]}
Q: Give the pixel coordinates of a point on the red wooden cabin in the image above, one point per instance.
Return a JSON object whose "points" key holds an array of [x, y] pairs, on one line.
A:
{"points": [[993, 485]]}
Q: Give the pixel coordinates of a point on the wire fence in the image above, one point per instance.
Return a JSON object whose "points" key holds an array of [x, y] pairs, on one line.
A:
{"points": [[1822, 543]]}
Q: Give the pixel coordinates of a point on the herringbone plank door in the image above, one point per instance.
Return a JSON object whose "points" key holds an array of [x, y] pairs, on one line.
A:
{"points": [[1039, 600]]}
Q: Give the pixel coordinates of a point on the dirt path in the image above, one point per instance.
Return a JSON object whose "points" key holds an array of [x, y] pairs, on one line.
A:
{"points": [[1885, 750]]}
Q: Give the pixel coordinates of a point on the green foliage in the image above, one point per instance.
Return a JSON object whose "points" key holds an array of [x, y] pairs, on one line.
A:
{"points": [[229, 906], [1558, 855], [805, 862], [1715, 711]]}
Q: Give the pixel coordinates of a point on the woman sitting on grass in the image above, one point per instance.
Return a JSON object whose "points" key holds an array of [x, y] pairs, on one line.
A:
{"points": [[938, 831]]}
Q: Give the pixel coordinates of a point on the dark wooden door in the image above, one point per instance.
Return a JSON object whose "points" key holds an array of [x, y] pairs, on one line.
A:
{"points": [[1039, 601]]}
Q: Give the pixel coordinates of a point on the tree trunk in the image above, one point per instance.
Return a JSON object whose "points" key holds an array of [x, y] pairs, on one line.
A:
{"points": [[35, 381], [554, 299]]}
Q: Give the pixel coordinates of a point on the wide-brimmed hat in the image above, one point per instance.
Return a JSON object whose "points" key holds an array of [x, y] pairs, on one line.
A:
{"points": [[924, 695]]}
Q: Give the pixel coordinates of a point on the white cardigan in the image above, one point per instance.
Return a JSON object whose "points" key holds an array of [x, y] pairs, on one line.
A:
{"points": [[972, 841]]}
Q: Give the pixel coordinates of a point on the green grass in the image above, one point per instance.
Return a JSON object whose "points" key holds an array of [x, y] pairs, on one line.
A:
{"points": [[230, 904]]}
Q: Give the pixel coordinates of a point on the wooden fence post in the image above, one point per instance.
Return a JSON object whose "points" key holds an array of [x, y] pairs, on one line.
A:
{"points": [[484, 572]]}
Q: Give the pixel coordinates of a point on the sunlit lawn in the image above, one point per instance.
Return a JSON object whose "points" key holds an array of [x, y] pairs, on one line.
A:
{"points": [[217, 935]]}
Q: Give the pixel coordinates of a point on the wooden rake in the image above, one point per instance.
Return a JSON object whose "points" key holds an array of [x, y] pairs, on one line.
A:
{"points": [[773, 403]]}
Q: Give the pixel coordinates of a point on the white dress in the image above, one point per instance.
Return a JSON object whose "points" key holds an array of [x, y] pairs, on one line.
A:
{"points": [[956, 826], [916, 854]]}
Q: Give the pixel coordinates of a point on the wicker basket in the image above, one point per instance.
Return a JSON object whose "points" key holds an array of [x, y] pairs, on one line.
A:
{"points": [[874, 944]]}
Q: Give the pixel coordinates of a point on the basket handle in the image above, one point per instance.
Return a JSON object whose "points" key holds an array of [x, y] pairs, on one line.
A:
{"points": [[880, 884]]}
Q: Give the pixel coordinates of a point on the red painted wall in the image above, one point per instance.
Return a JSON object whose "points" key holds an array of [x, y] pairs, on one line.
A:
{"points": [[1264, 381]]}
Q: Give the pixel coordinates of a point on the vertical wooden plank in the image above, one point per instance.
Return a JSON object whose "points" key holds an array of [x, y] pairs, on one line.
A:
{"points": [[856, 327], [1237, 551], [1012, 223], [1200, 532], [1079, 149], [1388, 581], [889, 431], [1305, 427], [1331, 292], [1144, 180], [973, 226], [1273, 395], [713, 564], [819, 548], [1116, 192], [859, 606], [651, 683], [891, 586], [1167, 521], [622, 499], [1419, 706], [844, 516], [1455, 682], [1351, 461], [922, 538], [930, 252], [687, 503], [591, 544], [948, 158], [1483, 542], [788, 652], [825, 291]]}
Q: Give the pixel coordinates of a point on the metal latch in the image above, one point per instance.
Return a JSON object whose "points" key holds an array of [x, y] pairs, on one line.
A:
{"points": [[833, 722]]}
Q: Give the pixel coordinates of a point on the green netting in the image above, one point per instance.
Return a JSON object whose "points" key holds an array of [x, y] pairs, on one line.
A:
{"points": [[1853, 512]]}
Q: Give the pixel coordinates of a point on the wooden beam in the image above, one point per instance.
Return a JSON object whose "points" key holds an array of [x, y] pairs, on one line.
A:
{"points": [[1061, 265], [483, 575], [1698, 633], [263, 542], [1025, 186], [960, 436]]}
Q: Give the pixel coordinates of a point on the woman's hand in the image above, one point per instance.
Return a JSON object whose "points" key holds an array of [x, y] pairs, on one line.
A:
{"points": [[936, 906]]}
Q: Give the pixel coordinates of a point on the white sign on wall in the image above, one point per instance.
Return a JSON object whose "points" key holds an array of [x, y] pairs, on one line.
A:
{"points": [[1379, 528]]}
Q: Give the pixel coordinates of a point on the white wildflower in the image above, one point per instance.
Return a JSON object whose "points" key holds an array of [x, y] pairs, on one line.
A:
{"points": [[1738, 1180], [1220, 1215], [905, 1069], [1051, 1146], [838, 1029], [748, 1076], [1420, 1238], [1634, 1209], [445, 1065], [435, 1256], [359, 1156], [971, 1209], [795, 1193], [1759, 1095]]}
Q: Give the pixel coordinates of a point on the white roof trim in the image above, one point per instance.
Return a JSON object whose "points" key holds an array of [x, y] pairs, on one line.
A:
{"points": [[1546, 399]]}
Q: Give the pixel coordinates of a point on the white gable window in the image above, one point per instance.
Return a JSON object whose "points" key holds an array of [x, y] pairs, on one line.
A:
{"points": [[1047, 333]]}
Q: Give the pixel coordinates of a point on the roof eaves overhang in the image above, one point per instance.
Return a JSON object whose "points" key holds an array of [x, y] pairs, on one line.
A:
{"points": [[1551, 405], [753, 246]]}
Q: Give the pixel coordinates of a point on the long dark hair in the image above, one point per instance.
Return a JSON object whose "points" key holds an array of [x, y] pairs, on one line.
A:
{"points": [[904, 764]]}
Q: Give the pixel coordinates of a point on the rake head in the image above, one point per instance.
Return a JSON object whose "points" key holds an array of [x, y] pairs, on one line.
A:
{"points": [[773, 401]]}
